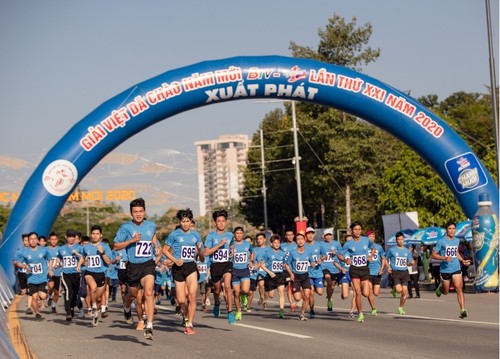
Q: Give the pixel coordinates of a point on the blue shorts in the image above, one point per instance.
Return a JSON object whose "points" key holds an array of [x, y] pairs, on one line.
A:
{"points": [[240, 275], [316, 282], [344, 278]]}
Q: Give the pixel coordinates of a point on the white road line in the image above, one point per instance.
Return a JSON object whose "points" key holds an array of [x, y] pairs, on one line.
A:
{"points": [[274, 331], [465, 321]]}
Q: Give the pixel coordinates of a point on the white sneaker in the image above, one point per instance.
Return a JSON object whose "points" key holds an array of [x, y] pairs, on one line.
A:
{"points": [[207, 302]]}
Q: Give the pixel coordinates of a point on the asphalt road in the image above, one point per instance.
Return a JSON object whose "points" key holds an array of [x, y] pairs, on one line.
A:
{"points": [[430, 329]]}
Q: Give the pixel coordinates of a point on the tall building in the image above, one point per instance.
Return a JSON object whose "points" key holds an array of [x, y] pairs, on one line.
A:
{"points": [[220, 175]]}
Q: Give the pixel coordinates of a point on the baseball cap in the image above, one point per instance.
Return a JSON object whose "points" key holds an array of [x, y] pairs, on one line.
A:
{"points": [[71, 233], [328, 231], [310, 229]]}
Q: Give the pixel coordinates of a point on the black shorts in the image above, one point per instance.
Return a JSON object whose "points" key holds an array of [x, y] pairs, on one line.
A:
{"points": [[273, 283], [448, 276], [181, 273], [400, 277], [137, 271], [301, 281], [122, 276], [334, 277], [57, 281], [99, 278], [375, 279], [361, 273], [35, 288], [217, 270], [23, 280], [253, 285]]}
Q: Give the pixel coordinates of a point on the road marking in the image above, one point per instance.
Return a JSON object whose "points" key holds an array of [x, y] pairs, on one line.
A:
{"points": [[442, 319], [274, 331]]}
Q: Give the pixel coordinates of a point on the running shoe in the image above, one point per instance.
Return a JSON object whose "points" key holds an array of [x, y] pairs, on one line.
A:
{"points": [[29, 311], [148, 333], [264, 305], [394, 293], [374, 312], [104, 312], [38, 316], [329, 305], [216, 310], [172, 301], [302, 318], [72, 311], [189, 330], [401, 311], [312, 313], [238, 316], [230, 318], [54, 311], [207, 302], [68, 317], [351, 315], [128, 316], [95, 317], [281, 314], [361, 318], [244, 300], [49, 301], [463, 314], [438, 291], [260, 301], [178, 310], [82, 313], [185, 322], [140, 325]]}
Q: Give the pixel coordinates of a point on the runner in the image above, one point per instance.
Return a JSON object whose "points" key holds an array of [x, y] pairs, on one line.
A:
{"points": [[344, 278], [357, 253], [22, 275], [315, 272], [55, 280], [287, 247], [377, 266], [242, 260], [187, 247], [399, 258], [259, 252], [297, 266], [446, 250], [139, 238], [70, 255], [219, 247], [330, 272], [273, 265]]}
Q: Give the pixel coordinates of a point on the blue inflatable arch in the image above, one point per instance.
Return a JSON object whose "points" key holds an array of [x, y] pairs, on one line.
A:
{"points": [[212, 82]]}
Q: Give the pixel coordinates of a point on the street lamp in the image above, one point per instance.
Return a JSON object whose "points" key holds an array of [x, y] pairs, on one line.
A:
{"points": [[296, 159], [263, 168]]}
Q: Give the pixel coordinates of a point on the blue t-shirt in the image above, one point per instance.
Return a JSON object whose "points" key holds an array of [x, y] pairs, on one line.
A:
{"points": [[330, 258], [259, 256], [317, 252], [69, 260], [242, 253], [288, 247], [398, 258], [299, 262], [203, 269], [448, 248], [184, 244], [143, 250], [94, 262], [18, 259], [358, 251], [37, 259], [376, 262], [123, 259], [54, 253], [221, 255], [274, 260]]}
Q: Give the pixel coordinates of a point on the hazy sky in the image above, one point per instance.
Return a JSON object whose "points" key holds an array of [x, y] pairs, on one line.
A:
{"points": [[62, 59]]}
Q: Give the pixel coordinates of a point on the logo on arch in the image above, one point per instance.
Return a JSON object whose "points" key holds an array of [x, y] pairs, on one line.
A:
{"points": [[465, 172], [59, 177]]}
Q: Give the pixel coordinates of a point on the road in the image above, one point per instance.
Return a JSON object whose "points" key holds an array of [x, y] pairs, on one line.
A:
{"points": [[431, 329]]}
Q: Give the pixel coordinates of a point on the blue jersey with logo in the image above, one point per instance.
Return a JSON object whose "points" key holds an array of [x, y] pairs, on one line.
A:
{"points": [[299, 263], [317, 253], [143, 250], [184, 244], [37, 260], [121, 257], [94, 262], [203, 269], [69, 260], [259, 256], [448, 248], [358, 251], [274, 260], [18, 259], [242, 252], [398, 258], [288, 247], [376, 262], [329, 248], [54, 254], [221, 255]]}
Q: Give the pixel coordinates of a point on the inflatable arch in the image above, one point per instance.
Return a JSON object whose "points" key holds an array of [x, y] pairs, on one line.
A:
{"points": [[212, 82]]}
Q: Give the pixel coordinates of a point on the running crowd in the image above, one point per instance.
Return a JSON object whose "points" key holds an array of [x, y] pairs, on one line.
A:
{"points": [[87, 272]]}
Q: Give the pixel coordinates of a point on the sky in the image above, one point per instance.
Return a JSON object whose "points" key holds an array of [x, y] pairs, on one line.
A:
{"points": [[62, 59]]}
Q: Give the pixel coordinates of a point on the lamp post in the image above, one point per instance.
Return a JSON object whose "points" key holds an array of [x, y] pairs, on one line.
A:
{"points": [[297, 163], [263, 168]]}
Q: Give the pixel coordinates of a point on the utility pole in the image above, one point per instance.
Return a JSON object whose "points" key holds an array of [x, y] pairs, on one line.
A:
{"points": [[263, 168]]}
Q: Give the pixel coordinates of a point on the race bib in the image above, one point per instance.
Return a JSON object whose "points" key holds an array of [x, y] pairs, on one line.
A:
{"points": [[53, 262], [375, 256], [143, 249], [69, 262], [94, 262], [277, 266], [400, 261], [301, 266], [241, 258], [202, 268], [36, 268], [329, 257], [221, 255], [123, 265], [359, 260], [451, 251], [188, 253]]}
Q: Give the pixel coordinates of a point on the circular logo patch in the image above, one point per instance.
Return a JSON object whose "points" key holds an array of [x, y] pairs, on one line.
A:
{"points": [[59, 177]]}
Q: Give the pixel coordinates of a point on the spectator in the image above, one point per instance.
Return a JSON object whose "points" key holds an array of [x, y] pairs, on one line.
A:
{"points": [[414, 272], [425, 255]]}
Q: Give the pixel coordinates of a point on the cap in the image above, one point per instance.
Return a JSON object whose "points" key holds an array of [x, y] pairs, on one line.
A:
{"points": [[370, 232], [328, 231], [71, 233], [310, 229]]}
